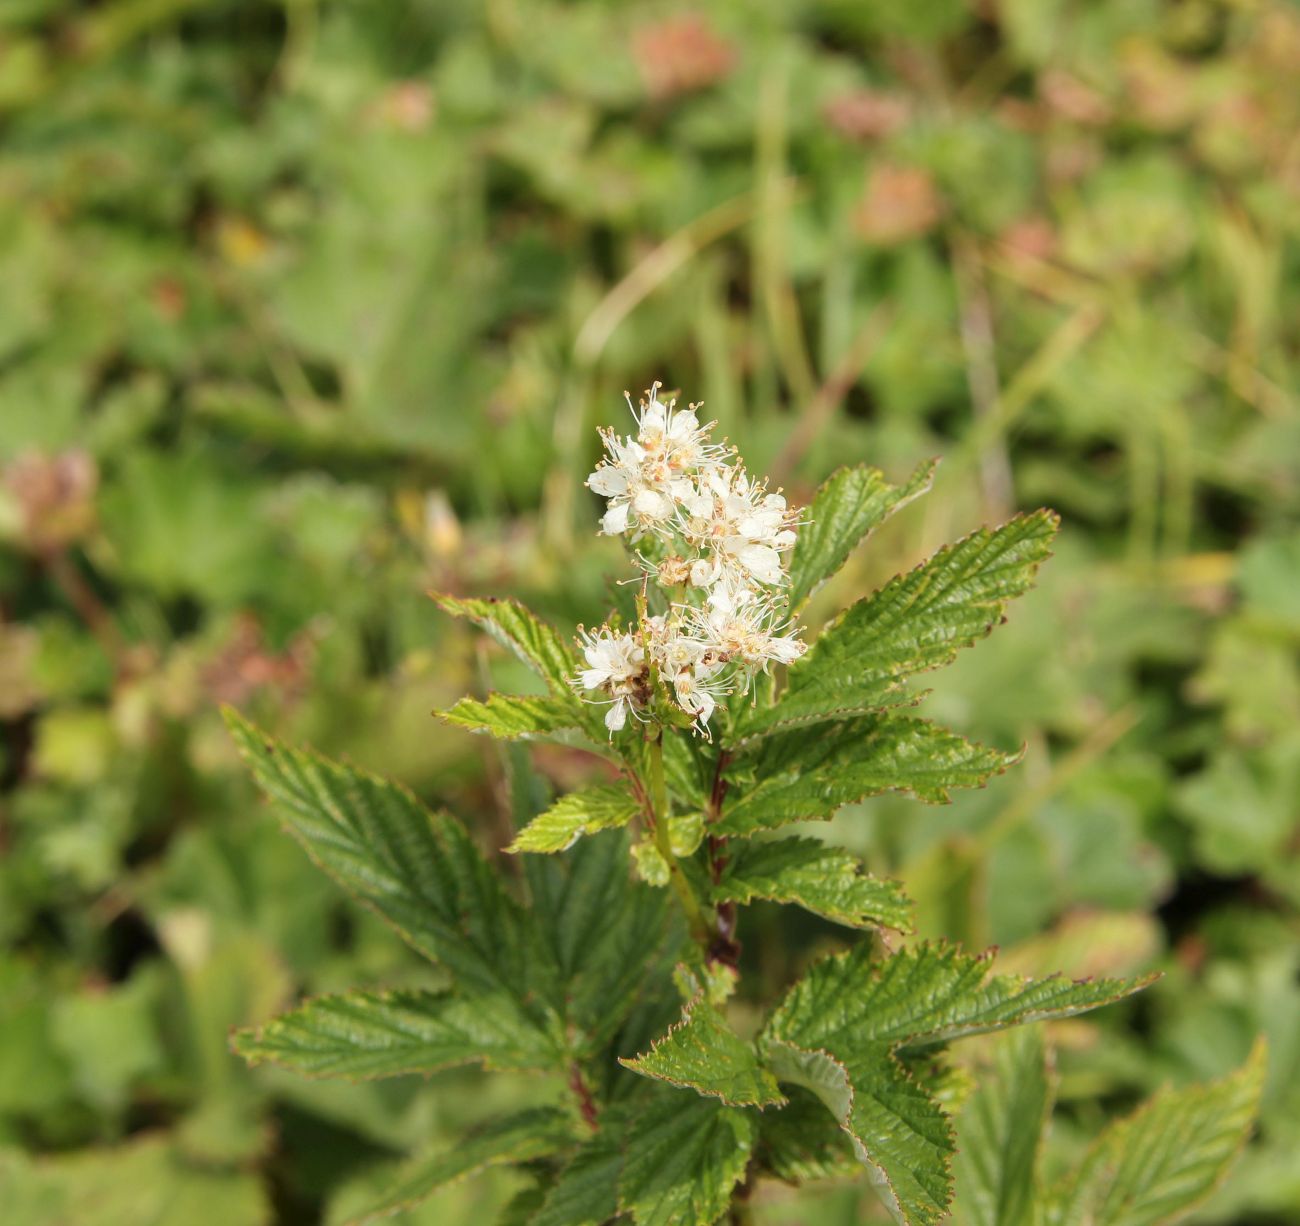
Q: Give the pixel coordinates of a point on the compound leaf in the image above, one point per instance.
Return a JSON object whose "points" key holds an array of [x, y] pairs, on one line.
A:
{"points": [[823, 879]]}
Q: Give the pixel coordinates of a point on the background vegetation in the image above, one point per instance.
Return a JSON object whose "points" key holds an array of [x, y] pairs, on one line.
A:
{"points": [[310, 306]]}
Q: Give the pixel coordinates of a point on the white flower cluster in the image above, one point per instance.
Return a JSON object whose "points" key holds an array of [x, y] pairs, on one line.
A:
{"points": [[725, 538]]}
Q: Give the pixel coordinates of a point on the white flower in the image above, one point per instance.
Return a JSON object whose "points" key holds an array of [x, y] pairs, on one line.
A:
{"points": [[740, 625], [616, 665], [645, 478], [740, 529]]}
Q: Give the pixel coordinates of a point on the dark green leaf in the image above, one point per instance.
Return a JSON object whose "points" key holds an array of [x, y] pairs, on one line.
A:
{"points": [[385, 1034], [684, 1156], [850, 504], [586, 1192], [826, 880], [417, 869], [601, 929], [802, 1141]]}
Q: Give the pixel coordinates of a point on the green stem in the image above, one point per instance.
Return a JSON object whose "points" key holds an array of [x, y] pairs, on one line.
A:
{"points": [[695, 919]]}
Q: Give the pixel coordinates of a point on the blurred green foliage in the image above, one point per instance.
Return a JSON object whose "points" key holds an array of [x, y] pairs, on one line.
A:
{"points": [[311, 306]]}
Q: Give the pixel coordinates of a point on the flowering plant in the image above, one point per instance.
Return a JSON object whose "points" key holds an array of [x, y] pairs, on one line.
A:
{"points": [[665, 1109]]}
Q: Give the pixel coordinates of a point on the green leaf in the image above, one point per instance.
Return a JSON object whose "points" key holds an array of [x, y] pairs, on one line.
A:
{"points": [[601, 807], [850, 504], [839, 1032], [801, 1141], [1000, 1132], [526, 1137], [511, 717], [586, 1192], [823, 879], [916, 622], [684, 1156], [601, 929], [702, 1053], [386, 1034], [517, 628], [419, 870], [1162, 1161], [801, 775]]}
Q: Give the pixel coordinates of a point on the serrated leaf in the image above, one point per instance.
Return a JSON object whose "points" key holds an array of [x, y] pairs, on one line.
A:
{"points": [[702, 1053], [419, 870], [600, 928], [838, 1033], [915, 623], [386, 1034], [684, 1155], [801, 774], [828, 881], [802, 1141], [511, 717], [523, 632], [586, 1192], [1000, 1132], [526, 1137], [602, 807], [849, 505], [1161, 1162]]}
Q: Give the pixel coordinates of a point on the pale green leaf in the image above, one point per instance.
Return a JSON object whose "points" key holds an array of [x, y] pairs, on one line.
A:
{"points": [[526, 1137], [702, 1053], [800, 774], [513, 716], [522, 632], [850, 504], [419, 870], [601, 807], [823, 879], [839, 1030], [1000, 1132], [1161, 1162], [915, 623], [684, 1156], [385, 1034]]}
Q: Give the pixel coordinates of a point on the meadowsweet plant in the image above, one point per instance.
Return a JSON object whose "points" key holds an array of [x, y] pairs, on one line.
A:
{"points": [[612, 960]]}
